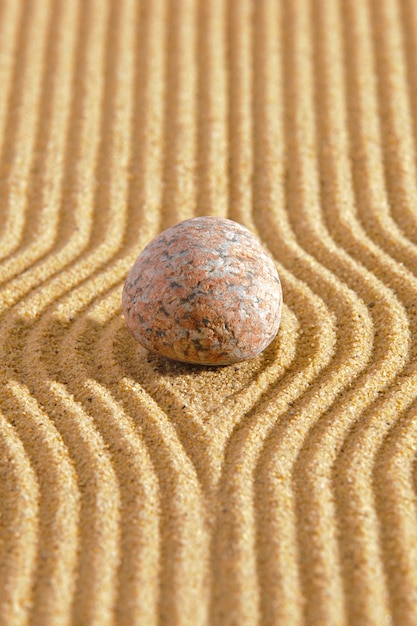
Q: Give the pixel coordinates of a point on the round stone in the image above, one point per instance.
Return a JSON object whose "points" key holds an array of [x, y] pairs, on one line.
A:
{"points": [[204, 291]]}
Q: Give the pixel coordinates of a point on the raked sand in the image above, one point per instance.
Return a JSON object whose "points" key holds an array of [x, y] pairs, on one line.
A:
{"points": [[137, 491]]}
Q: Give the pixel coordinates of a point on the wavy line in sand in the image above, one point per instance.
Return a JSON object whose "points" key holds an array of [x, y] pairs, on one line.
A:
{"points": [[395, 504], [32, 307], [82, 142], [325, 539], [212, 140], [363, 593], [347, 232], [179, 193], [93, 599], [232, 596], [81, 299], [21, 120], [267, 562], [407, 393], [10, 21], [182, 518], [44, 186], [400, 157], [57, 532], [228, 590], [240, 101], [279, 252], [408, 16], [19, 492], [136, 595], [391, 410], [365, 150]]}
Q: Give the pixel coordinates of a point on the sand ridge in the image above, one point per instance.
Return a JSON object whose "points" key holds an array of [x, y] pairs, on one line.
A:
{"points": [[135, 490]]}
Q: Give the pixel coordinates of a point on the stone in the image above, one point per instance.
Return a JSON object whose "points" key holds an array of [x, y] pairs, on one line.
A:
{"points": [[203, 291]]}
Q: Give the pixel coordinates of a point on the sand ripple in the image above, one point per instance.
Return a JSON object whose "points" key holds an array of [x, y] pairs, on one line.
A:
{"points": [[138, 491]]}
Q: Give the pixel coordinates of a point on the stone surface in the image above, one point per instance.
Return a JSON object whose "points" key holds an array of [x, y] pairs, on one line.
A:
{"points": [[203, 291]]}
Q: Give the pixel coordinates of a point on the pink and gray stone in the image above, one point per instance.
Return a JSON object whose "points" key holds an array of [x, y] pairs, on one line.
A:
{"points": [[204, 291]]}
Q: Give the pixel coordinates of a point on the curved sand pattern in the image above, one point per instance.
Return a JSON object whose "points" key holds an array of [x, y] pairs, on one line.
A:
{"points": [[136, 490]]}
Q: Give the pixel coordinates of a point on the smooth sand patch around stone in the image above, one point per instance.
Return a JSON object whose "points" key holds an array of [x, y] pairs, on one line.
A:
{"points": [[137, 491]]}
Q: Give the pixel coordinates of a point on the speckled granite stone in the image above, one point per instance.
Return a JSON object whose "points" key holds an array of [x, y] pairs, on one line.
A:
{"points": [[204, 291]]}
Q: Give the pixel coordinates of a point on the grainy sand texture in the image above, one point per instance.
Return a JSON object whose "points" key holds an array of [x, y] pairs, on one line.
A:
{"points": [[137, 491]]}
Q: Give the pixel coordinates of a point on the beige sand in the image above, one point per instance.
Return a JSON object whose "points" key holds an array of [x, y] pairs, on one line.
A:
{"points": [[140, 492]]}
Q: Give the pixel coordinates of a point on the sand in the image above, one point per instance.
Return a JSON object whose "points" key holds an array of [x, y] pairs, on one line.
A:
{"points": [[137, 491]]}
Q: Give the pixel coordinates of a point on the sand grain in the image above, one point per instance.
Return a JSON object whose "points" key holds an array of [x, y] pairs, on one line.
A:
{"points": [[137, 491]]}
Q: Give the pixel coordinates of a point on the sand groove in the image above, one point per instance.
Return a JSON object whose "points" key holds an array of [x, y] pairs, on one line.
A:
{"points": [[135, 490]]}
